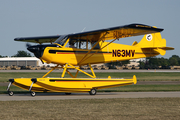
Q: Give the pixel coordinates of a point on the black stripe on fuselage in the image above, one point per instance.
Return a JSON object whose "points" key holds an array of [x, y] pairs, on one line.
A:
{"points": [[51, 80], [54, 51]]}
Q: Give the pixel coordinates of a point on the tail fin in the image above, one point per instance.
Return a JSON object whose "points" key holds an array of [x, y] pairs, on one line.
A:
{"points": [[155, 42]]}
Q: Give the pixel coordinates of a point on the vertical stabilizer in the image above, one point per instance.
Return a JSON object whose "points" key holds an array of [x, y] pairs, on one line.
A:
{"points": [[152, 40]]}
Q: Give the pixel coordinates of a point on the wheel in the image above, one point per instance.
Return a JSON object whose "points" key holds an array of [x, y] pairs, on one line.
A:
{"points": [[92, 92], [33, 94], [67, 93], [10, 93]]}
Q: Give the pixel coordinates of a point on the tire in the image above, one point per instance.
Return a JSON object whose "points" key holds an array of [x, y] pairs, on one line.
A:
{"points": [[33, 94], [68, 93], [92, 92], [10, 93]]}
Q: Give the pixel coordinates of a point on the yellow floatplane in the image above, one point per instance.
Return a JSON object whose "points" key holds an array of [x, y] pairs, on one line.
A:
{"points": [[72, 51]]}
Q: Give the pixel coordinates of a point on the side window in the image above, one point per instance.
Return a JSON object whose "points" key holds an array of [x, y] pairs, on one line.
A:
{"points": [[96, 47], [81, 44], [72, 44], [88, 45]]}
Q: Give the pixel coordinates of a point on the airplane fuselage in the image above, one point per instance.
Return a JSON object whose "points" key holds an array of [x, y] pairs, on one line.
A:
{"points": [[111, 53]]}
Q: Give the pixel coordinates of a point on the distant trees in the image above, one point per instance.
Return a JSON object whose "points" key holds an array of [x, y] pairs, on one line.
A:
{"points": [[2, 56], [22, 53], [174, 60], [154, 63], [120, 63]]}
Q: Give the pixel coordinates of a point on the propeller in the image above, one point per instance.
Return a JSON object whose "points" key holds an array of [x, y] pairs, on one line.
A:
{"points": [[34, 49], [28, 45]]}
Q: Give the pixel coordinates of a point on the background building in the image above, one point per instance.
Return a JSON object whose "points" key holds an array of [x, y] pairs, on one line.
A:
{"points": [[22, 62]]}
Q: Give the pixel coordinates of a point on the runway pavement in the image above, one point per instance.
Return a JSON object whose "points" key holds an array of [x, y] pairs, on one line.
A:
{"points": [[99, 95]]}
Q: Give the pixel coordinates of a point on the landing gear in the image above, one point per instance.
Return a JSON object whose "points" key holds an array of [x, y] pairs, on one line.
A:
{"points": [[32, 94], [92, 92], [10, 93]]}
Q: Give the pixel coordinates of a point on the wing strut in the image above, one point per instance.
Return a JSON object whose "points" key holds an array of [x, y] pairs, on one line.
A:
{"points": [[50, 71], [78, 69], [92, 48], [69, 66]]}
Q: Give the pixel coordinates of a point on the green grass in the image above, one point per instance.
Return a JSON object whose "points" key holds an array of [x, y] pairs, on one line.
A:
{"points": [[124, 108], [141, 76], [90, 109], [3, 90]]}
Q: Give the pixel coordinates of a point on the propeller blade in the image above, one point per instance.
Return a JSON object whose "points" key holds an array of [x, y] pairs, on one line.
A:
{"points": [[28, 45], [42, 61]]}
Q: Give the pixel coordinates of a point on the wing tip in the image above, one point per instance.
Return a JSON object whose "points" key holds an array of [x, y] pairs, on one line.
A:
{"points": [[16, 39], [140, 26]]}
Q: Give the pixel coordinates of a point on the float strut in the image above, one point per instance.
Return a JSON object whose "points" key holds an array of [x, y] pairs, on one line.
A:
{"points": [[31, 86], [9, 86], [11, 81]]}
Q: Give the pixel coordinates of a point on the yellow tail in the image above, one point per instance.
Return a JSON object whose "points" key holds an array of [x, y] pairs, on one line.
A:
{"points": [[155, 42]]}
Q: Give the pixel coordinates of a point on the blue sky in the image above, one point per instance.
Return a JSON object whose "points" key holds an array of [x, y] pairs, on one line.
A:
{"points": [[27, 18]]}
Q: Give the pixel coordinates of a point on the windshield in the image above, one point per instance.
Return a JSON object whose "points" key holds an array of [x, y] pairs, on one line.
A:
{"points": [[62, 39]]}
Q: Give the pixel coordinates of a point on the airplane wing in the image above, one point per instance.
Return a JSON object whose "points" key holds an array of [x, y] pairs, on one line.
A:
{"points": [[98, 35], [41, 39], [115, 32]]}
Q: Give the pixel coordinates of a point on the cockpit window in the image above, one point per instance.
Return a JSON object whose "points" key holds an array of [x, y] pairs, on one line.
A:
{"points": [[96, 47], [76, 43], [81, 44], [62, 40]]}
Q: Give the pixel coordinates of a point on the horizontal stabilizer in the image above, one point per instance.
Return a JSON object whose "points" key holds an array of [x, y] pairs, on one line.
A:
{"points": [[161, 50], [165, 48]]}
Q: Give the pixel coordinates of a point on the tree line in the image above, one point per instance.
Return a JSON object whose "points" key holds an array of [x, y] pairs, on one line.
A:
{"points": [[164, 63], [20, 53], [151, 63]]}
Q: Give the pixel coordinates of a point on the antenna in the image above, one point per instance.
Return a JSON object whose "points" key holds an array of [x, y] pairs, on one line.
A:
{"points": [[83, 29]]}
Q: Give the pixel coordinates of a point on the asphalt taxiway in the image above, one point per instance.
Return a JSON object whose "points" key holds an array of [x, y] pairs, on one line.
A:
{"points": [[99, 95]]}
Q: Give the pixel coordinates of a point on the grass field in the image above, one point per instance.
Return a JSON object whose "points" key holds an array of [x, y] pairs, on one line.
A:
{"points": [[92, 109]]}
